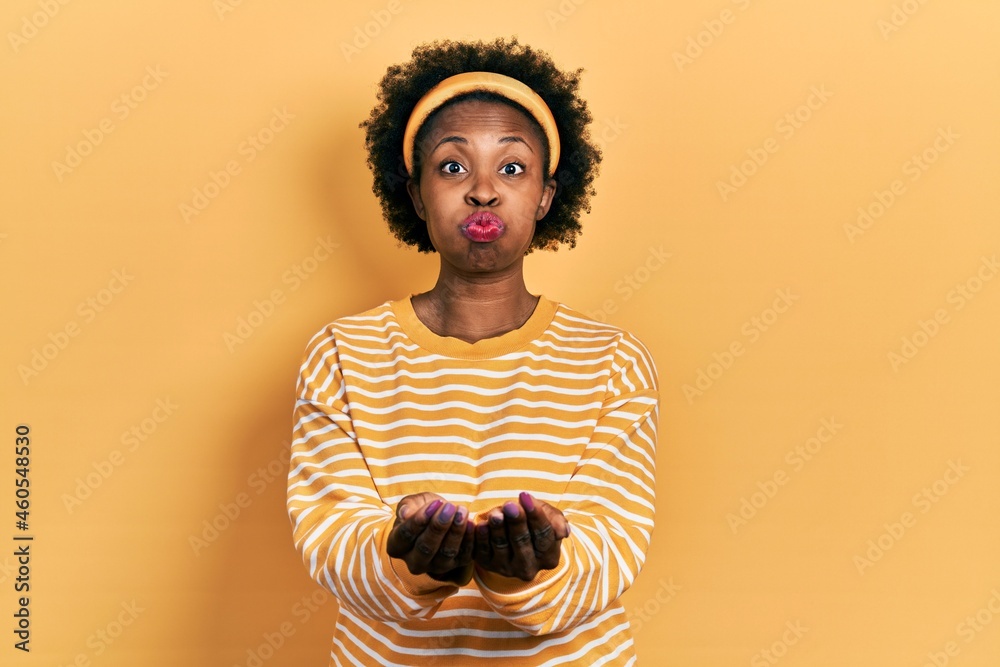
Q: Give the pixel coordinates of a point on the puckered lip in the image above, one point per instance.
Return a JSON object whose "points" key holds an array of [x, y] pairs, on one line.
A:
{"points": [[483, 227], [484, 218]]}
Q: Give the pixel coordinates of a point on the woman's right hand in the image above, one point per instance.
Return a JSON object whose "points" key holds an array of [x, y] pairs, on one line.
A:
{"points": [[433, 537]]}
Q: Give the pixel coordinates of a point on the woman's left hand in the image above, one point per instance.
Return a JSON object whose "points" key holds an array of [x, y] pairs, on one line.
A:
{"points": [[520, 540]]}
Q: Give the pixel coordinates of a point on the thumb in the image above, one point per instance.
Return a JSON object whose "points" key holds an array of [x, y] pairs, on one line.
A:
{"points": [[405, 509], [560, 524], [413, 502]]}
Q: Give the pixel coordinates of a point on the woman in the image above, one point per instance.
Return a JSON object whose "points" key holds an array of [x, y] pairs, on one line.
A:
{"points": [[472, 467]]}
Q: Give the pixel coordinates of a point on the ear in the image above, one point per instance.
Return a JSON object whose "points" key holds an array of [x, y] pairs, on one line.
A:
{"points": [[413, 188], [548, 194]]}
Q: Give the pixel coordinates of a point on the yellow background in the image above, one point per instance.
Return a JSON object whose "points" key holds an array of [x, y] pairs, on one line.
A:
{"points": [[715, 591]]}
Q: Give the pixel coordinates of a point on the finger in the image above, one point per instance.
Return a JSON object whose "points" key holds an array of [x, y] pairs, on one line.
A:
{"points": [[452, 542], [468, 542], [481, 547], [426, 546], [560, 524], [407, 506], [523, 562], [412, 503], [542, 532], [404, 534], [499, 545]]}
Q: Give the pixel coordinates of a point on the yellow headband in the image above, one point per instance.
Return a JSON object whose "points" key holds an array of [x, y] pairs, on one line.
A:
{"points": [[467, 82]]}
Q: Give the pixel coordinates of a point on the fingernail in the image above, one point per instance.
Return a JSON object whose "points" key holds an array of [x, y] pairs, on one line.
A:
{"points": [[460, 516], [527, 501], [433, 507], [510, 510], [405, 511], [447, 513], [496, 519]]}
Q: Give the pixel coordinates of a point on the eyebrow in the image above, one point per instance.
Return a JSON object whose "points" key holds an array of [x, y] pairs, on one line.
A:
{"points": [[455, 139]]}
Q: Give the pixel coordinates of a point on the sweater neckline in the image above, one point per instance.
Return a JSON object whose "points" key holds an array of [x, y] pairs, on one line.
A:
{"points": [[486, 348]]}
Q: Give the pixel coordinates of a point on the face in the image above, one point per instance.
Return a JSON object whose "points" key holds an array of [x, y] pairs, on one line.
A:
{"points": [[482, 186]]}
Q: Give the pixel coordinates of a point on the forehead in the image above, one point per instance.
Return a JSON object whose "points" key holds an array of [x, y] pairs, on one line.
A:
{"points": [[471, 116]]}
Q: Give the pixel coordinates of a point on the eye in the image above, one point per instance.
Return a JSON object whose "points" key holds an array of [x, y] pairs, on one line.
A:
{"points": [[452, 167], [512, 169]]}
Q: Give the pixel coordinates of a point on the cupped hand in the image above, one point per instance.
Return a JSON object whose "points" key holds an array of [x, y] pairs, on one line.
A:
{"points": [[433, 537], [520, 539]]}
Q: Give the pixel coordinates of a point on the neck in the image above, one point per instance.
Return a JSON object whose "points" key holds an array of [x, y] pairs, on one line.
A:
{"points": [[473, 307]]}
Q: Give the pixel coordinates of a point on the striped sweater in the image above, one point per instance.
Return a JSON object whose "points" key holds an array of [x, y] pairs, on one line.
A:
{"points": [[563, 407]]}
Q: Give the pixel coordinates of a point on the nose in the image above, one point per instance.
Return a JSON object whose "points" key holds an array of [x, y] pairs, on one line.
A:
{"points": [[482, 190]]}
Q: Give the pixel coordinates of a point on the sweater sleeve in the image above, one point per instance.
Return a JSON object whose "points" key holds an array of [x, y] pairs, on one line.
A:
{"points": [[609, 503], [340, 524]]}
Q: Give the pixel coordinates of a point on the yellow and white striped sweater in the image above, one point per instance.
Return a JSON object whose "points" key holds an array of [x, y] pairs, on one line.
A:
{"points": [[563, 407]]}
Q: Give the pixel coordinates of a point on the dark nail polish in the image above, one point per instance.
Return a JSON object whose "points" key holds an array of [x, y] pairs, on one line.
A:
{"points": [[431, 508], [527, 501], [496, 519], [460, 516], [510, 510], [447, 513]]}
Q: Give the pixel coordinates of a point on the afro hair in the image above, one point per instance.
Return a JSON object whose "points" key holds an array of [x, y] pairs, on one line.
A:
{"points": [[403, 86]]}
